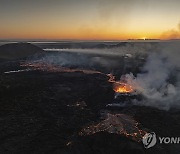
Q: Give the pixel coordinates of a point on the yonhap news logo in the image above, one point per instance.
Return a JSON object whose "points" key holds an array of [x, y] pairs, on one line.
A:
{"points": [[150, 139]]}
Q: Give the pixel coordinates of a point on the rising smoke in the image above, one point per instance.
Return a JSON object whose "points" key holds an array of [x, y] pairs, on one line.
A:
{"points": [[107, 58], [160, 80]]}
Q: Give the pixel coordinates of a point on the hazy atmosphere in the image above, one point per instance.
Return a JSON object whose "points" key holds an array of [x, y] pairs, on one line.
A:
{"points": [[89, 19], [90, 76]]}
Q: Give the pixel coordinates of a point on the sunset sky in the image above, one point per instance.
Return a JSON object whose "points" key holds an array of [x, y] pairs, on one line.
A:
{"points": [[89, 19]]}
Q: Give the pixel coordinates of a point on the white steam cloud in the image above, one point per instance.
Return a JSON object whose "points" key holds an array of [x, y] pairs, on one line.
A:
{"points": [[160, 80], [104, 57]]}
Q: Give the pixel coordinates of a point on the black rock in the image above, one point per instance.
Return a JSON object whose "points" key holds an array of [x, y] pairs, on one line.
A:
{"points": [[15, 51]]}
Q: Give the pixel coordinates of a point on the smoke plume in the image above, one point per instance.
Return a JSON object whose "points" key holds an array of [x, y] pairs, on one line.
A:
{"points": [[152, 68], [160, 80]]}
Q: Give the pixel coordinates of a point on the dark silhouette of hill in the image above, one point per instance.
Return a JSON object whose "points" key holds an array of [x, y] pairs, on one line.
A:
{"points": [[15, 51], [82, 45]]}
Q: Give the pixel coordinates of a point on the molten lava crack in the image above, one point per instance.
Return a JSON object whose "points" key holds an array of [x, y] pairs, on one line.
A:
{"points": [[120, 86], [54, 68], [117, 124]]}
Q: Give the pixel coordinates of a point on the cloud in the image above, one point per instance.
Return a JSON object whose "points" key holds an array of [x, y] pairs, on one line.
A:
{"points": [[160, 82], [172, 33]]}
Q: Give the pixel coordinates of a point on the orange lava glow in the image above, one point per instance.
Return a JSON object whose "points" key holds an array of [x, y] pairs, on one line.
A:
{"points": [[44, 66], [120, 86], [123, 88], [119, 124]]}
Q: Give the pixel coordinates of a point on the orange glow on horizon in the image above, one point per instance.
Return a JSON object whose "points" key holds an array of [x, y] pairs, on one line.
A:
{"points": [[81, 36], [90, 20], [83, 33]]}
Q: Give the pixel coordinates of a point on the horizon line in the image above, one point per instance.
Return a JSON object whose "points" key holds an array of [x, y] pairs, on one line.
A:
{"points": [[85, 40]]}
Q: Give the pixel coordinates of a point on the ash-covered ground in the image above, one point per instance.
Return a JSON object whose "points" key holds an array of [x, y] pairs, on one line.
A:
{"points": [[61, 99]]}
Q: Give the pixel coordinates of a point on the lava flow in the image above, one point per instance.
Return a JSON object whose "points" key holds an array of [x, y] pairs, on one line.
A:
{"points": [[120, 86], [43, 66], [120, 124]]}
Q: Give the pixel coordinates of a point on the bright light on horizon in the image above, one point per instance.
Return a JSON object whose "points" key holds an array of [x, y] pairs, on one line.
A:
{"points": [[90, 20]]}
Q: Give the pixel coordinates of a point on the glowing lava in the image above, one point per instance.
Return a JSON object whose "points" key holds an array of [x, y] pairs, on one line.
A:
{"points": [[44, 66], [120, 124], [122, 87]]}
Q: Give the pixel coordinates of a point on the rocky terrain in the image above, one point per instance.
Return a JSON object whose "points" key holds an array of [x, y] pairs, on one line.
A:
{"points": [[44, 111], [15, 51]]}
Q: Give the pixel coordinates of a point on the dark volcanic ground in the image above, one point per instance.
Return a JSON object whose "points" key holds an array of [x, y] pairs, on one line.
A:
{"points": [[44, 112]]}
